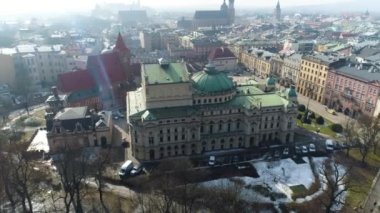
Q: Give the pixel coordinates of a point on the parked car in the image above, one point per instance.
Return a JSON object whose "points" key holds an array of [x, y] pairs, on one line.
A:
{"points": [[329, 145], [297, 149], [126, 168], [211, 161], [115, 117], [136, 170], [331, 111], [304, 150], [312, 148], [285, 152], [241, 166], [277, 153]]}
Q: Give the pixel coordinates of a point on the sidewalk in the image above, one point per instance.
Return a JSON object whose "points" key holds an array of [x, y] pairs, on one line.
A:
{"points": [[372, 203], [321, 110]]}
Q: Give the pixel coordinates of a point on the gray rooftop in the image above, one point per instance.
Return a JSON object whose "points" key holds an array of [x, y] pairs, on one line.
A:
{"points": [[71, 113], [363, 75]]}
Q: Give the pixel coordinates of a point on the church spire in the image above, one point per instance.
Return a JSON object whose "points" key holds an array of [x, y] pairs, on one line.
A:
{"points": [[120, 45], [278, 11]]}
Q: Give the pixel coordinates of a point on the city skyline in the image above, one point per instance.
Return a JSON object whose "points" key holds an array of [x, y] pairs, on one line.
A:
{"points": [[45, 6]]}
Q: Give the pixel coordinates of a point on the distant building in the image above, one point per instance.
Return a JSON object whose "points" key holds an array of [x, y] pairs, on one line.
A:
{"points": [[291, 68], [223, 59], [302, 46], [209, 18], [133, 17], [150, 40], [105, 80], [7, 70], [334, 47], [184, 24], [179, 114], [258, 61], [43, 63]]}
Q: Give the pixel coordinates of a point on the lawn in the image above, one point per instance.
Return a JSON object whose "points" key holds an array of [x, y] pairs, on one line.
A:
{"points": [[361, 177], [313, 127], [298, 191]]}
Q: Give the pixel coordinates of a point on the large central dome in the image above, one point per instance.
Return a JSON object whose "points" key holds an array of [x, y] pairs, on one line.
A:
{"points": [[210, 80]]}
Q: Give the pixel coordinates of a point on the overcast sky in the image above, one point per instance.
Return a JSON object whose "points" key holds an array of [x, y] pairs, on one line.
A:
{"points": [[28, 6]]}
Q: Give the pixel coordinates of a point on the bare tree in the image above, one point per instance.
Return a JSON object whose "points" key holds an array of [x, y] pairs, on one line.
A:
{"points": [[172, 188], [226, 198], [7, 192], [351, 134], [72, 170], [337, 182], [369, 130], [99, 167]]}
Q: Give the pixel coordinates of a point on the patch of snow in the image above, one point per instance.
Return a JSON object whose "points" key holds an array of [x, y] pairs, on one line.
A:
{"points": [[279, 176]]}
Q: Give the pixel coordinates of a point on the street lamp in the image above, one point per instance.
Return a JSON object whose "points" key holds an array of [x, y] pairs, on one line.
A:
{"points": [[310, 88]]}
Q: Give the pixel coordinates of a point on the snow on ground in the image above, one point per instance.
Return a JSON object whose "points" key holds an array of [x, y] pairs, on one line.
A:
{"points": [[278, 176]]}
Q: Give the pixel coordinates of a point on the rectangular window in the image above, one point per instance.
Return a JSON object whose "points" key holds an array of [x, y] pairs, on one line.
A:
{"points": [[151, 140]]}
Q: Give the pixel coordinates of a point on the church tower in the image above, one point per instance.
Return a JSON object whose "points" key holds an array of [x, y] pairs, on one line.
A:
{"points": [[224, 7], [277, 12], [231, 11], [122, 51]]}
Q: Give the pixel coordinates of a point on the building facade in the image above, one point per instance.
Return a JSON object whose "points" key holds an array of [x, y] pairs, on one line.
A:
{"points": [[258, 61], [78, 127], [7, 70], [313, 75], [209, 18], [354, 89], [176, 113], [223, 59], [43, 63], [291, 68]]}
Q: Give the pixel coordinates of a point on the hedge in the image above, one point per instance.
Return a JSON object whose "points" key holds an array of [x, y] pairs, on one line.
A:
{"points": [[336, 128]]}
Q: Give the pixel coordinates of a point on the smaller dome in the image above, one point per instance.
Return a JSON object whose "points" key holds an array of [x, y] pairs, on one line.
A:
{"points": [[291, 92], [271, 81], [210, 80]]}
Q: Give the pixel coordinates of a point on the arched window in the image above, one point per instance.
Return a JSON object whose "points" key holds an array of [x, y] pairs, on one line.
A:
{"points": [[220, 125], [211, 127]]}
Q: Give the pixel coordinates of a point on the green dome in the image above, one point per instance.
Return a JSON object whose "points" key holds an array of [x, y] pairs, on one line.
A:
{"points": [[211, 80], [291, 92], [271, 81]]}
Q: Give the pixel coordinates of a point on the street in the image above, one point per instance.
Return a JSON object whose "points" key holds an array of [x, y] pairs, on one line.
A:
{"points": [[321, 110]]}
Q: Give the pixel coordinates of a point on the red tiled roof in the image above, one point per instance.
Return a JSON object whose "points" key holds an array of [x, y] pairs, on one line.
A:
{"points": [[120, 45], [75, 81], [106, 68], [221, 52]]}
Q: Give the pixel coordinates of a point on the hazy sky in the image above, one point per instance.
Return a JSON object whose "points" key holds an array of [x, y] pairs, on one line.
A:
{"points": [[56, 6]]}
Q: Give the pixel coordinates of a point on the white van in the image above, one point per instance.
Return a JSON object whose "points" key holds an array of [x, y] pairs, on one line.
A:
{"points": [[211, 161], [126, 168], [329, 145]]}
